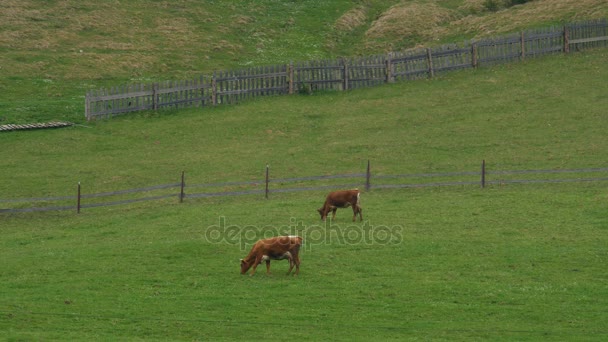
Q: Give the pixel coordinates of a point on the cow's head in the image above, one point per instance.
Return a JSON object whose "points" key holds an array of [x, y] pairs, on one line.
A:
{"points": [[244, 266], [321, 213]]}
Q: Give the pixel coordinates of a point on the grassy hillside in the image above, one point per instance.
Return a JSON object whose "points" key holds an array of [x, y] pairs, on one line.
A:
{"points": [[52, 52], [519, 262], [514, 116]]}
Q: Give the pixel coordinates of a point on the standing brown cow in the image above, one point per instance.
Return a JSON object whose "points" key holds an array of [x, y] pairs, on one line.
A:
{"points": [[276, 248], [341, 199]]}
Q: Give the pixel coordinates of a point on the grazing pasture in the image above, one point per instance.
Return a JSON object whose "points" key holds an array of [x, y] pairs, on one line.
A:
{"points": [[523, 262], [508, 262], [516, 262]]}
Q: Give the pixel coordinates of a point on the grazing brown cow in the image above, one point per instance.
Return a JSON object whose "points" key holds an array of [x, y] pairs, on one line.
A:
{"points": [[341, 199], [276, 248]]}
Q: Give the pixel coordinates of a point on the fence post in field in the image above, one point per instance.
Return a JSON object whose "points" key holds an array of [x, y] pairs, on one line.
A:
{"points": [[154, 96], [474, 55], [566, 40], [344, 74], [86, 106], [368, 177], [181, 192], [522, 43], [78, 200], [429, 57], [290, 75], [483, 173], [390, 78], [213, 90], [203, 84], [267, 179]]}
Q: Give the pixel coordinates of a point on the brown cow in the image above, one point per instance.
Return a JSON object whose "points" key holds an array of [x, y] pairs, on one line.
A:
{"points": [[276, 248], [341, 199]]}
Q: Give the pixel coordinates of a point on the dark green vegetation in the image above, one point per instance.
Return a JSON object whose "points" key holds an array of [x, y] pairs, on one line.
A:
{"points": [[509, 262]]}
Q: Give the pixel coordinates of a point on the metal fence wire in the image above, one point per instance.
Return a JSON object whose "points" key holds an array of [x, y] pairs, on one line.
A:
{"points": [[265, 187]]}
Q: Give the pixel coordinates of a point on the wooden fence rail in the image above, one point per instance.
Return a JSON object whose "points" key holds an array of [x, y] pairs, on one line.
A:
{"points": [[229, 87]]}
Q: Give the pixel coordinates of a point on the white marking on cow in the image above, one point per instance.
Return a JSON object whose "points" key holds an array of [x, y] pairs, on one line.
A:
{"points": [[287, 255]]}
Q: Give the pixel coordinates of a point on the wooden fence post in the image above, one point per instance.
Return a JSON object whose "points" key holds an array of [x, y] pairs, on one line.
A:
{"points": [[483, 173], [390, 77], [213, 90], [474, 55], [78, 200], [202, 84], [429, 57], [344, 75], [155, 96], [86, 106], [522, 43], [181, 192], [368, 177], [566, 40], [267, 179], [290, 75]]}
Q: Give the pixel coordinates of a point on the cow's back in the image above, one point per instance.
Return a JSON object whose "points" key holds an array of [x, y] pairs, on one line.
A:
{"points": [[343, 196]]}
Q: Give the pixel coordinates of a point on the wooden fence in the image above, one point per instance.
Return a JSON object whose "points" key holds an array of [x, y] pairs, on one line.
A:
{"points": [[267, 185], [229, 87]]}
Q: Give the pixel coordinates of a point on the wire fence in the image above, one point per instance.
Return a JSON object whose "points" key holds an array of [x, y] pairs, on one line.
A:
{"points": [[265, 186]]}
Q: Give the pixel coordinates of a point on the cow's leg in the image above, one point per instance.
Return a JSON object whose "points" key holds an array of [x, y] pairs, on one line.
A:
{"points": [[257, 261], [360, 211], [268, 266], [354, 213], [289, 257], [333, 211], [291, 264], [297, 263]]}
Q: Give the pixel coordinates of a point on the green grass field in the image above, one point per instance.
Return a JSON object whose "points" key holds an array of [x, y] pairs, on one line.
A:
{"points": [[524, 262], [513, 116], [509, 262], [512, 263]]}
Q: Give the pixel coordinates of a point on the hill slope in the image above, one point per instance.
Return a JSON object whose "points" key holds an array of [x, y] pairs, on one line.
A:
{"points": [[519, 262], [53, 52], [513, 115], [509, 262]]}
